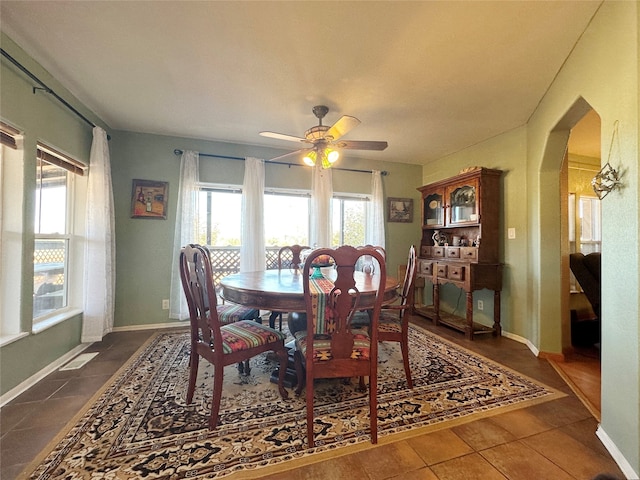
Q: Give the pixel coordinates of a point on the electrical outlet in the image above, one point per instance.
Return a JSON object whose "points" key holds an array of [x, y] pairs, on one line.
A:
{"points": [[480, 305], [165, 304], [511, 233]]}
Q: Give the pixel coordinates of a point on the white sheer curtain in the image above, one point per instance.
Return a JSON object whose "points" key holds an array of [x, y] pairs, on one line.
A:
{"points": [[375, 223], [186, 229], [252, 249], [321, 195], [100, 246]]}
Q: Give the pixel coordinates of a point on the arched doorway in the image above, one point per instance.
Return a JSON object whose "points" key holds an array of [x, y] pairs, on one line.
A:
{"points": [[571, 159]]}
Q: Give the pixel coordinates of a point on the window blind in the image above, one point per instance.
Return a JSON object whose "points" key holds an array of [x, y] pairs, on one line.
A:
{"points": [[61, 160]]}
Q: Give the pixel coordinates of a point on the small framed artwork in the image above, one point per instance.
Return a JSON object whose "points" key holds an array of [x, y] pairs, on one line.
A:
{"points": [[149, 199], [400, 210]]}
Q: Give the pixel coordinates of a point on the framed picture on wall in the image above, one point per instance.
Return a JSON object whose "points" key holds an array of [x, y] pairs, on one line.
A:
{"points": [[149, 199], [400, 210]]}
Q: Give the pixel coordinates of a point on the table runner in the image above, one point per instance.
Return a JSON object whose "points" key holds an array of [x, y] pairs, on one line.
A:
{"points": [[323, 319]]}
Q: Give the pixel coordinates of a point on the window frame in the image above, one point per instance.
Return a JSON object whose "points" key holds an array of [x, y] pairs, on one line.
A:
{"points": [[74, 223], [344, 196]]}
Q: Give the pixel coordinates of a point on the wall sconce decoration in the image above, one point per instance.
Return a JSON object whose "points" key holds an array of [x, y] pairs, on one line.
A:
{"points": [[607, 179]]}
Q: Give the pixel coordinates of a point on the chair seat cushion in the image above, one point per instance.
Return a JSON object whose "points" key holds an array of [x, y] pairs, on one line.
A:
{"points": [[247, 334], [322, 345], [230, 313]]}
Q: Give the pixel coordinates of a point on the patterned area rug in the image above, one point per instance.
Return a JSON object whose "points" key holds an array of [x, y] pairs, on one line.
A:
{"points": [[141, 427]]}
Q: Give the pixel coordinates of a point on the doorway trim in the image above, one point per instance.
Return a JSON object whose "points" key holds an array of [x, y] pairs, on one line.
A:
{"points": [[553, 280]]}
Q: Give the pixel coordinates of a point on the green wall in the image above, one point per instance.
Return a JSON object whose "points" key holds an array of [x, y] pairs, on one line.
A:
{"points": [[143, 246], [602, 72], [41, 118], [506, 152]]}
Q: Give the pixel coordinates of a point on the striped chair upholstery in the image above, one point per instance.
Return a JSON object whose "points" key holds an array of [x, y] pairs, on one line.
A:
{"points": [[230, 313]]}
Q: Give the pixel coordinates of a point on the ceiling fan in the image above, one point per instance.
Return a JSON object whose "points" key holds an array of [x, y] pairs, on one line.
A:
{"points": [[324, 141]]}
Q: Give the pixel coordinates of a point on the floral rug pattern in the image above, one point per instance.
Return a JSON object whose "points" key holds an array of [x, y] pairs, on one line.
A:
{"points": [[141, 426]]}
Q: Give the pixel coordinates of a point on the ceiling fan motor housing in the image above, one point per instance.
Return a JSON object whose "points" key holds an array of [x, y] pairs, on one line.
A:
{"points": [[320, 111]]}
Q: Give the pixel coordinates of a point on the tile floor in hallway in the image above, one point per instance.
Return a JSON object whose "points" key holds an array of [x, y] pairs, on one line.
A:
{"points": [[554, 440]]}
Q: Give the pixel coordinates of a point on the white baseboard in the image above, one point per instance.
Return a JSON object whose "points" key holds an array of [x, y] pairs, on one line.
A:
{"points": [[617, 456], [519, 339], [33, 379], [152, 326], [59, 362]]}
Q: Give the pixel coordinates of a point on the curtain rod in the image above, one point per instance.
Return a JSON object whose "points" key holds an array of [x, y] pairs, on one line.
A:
{"points": [[44, 87], [177, 151]]}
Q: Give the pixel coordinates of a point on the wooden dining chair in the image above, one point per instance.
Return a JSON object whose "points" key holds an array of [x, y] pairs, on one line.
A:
{"points": [[366, 264], [219, 344], [329, 347], [294, 252], [393, 325]]}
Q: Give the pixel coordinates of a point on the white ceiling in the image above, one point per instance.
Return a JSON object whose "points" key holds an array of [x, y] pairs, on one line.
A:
{"points": [[429, 77]]}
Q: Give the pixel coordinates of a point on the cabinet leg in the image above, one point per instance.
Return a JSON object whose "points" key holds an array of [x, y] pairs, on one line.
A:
{"points": [[436, 303], [468, 329], [497, 328]]}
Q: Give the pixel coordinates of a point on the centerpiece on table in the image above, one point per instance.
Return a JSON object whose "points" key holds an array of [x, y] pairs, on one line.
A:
{"points": [[321, 262]]}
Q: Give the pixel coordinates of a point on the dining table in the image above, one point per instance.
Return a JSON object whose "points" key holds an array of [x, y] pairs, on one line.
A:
{"points": [[281, 290]]}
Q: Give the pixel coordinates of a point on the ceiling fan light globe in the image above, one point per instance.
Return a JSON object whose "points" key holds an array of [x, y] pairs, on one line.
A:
{"points": [[333, 155], [310, 158]]}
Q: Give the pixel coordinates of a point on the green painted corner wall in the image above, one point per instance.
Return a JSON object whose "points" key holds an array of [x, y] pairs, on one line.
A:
{"points": [[41, 119], [507, 152], [602, 73]]}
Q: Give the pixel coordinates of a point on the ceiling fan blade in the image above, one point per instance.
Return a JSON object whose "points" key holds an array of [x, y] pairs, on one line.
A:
{"points": [[280, 157], [342, 126], [361, 145], [283, 136]]}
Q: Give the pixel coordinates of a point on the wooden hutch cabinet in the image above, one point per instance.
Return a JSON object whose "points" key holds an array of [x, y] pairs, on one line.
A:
{"points": [[460, 243]]}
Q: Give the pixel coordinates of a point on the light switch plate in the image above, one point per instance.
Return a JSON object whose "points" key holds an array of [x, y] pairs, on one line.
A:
{"points": [[511, 233]]}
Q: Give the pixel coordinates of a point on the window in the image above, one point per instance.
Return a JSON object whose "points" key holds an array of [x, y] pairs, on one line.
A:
{"points": [[585, 221], [55, 180], [585, 229], [590, 224], [349, 220], [286, 219], [219, 216]]}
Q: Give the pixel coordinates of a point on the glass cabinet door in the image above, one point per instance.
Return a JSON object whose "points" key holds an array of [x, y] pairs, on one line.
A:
{"points": [[433, 210], [463, 204]]}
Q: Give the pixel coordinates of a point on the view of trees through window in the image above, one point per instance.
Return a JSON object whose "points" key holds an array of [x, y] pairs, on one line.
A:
{"points": [[349, 221], [286, 220]]}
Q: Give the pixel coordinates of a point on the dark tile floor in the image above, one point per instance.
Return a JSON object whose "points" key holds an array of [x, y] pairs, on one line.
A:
{"points": [[554, 440]]}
